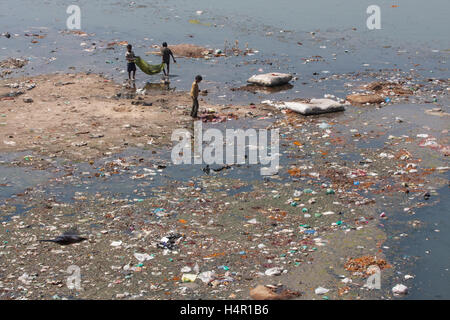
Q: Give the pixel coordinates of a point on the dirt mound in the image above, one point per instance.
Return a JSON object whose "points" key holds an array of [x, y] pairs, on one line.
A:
{"points": [[388, 88], [83, 116], [365, 98], [376, 91], [186, 51]]}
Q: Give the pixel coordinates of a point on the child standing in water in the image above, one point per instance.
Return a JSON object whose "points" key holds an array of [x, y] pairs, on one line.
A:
{"points": [[194, 95], [166, 53], [131, 66]]}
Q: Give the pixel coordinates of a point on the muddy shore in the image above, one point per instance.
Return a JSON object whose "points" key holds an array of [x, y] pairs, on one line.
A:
{"points": [[84, 116]]}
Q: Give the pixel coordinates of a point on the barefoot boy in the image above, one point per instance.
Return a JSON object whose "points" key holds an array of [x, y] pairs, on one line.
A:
{"points": [[194, 96], [131, 66], [166, 53]]}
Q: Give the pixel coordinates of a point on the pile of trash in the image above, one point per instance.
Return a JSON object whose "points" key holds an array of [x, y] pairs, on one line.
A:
{"points": [[27, 85], [363, 263], [379, 92], [212, 117], [13, 63]]}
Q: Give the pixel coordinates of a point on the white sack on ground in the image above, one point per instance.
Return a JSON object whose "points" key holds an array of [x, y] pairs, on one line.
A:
{"points": [[314, 106], [270, 79]]}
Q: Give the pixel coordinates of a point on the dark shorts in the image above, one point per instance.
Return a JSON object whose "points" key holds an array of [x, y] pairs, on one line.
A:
{"points": [[131, 66]]}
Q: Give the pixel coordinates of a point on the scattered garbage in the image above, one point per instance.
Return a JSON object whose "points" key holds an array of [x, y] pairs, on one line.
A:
{"points": [[273, 271], [272, 292], [207, 276], [400, 289], [186, 269], [189, 277], [143, 256], [321, 291], [387, 88], [154, 228], [170, 241], [363, 263], [116, 243], [14, 63]]}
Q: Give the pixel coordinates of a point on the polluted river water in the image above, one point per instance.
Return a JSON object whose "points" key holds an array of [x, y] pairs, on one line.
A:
{"points": [[381, 170]]}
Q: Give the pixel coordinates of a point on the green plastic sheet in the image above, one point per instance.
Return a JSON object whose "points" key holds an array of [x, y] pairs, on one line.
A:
{"points": [[148, 68]]}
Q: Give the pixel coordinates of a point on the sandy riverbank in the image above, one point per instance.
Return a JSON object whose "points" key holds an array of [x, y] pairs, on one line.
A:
{"points": [[84, 116]]}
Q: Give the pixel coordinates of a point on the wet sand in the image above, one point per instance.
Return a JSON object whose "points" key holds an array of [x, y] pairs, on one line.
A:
{"points": [[85, 116]]}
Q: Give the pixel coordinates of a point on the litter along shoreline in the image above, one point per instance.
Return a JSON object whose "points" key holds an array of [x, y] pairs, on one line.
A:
{"points": [[258, 237]]}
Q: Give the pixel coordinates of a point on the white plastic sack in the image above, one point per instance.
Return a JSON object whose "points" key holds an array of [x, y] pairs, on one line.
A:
{"points": [[143, 256], [321, 290], [400, 289], [314, 106], [270, 79], [207, 276]]}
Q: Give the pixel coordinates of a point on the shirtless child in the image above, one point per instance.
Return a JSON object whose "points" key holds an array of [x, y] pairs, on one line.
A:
{"points": [[131, 66], [166, 54]]}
